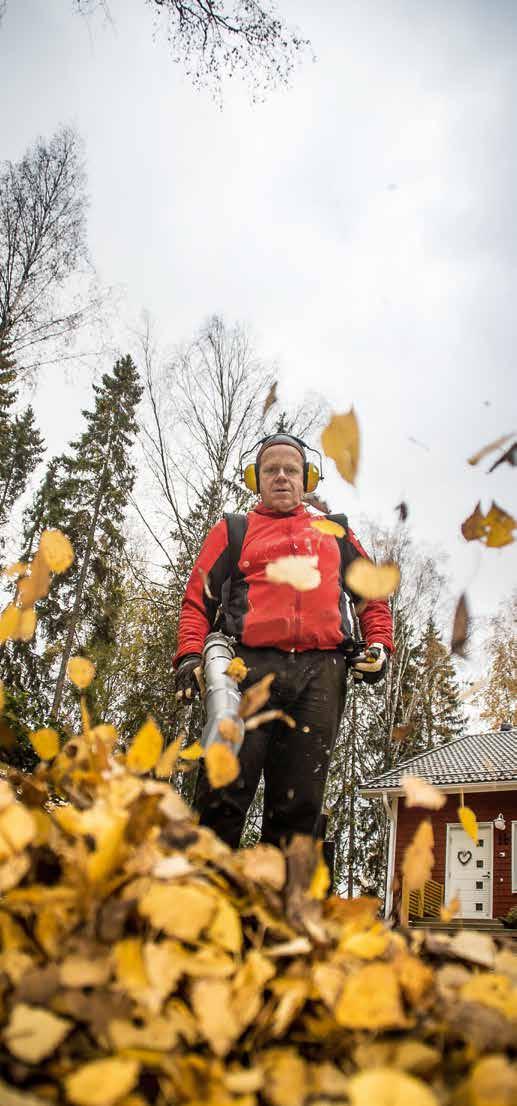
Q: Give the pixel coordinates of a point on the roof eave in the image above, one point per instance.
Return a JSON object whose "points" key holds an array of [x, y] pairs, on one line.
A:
{"points": [[447, 788]]}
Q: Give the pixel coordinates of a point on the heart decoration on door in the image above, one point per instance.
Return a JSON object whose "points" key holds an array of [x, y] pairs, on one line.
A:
{"points": [[464, 856]]}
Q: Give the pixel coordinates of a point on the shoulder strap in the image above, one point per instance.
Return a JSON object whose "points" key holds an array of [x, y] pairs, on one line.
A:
{"points": [[236, 526], [341, 520]]}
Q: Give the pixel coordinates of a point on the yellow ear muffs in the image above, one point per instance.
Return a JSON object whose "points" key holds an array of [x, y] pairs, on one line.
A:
{"points": [[312, 477], [250, 478]]}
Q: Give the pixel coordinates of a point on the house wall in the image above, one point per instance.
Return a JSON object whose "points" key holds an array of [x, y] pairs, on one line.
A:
{"points": [[486, 806]]}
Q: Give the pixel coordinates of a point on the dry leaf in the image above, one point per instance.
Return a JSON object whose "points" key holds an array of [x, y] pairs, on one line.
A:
{"points": [[264, 864], [80, 671], [9, 623], [167, 762], [494, 529], [269, 716], [372, 581], [35, 586], [145, 749], [301, 573], [509, 457], [327, 526], [448, 911], [222, 765], [320, 881], [102, 1082], [57, 550], [340, 441], [32, 1034], [26, 625], [46, 743], [418, 860], [230, 730], [419, 792], [476, 457], [469, 822], [270, 399], [371, 999], [402, 732], [193, 752], [256, 696], [461, 625], [403, 511], [237, 669], [19, 568], [385, 1087], [206, 585], [211, 1002], [180, 911]]}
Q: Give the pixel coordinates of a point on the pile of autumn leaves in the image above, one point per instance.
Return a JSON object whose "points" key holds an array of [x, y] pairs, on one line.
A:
{"points": [[142, 961]]}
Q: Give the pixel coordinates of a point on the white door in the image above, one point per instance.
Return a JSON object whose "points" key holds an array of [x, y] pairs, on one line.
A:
{"points": [[469, 870]]}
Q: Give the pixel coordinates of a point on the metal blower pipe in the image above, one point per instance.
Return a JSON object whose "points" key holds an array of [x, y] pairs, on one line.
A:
{"points": [[221, 696]]}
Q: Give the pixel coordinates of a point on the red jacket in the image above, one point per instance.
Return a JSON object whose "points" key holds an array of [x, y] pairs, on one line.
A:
{"points": [[260, 613]]}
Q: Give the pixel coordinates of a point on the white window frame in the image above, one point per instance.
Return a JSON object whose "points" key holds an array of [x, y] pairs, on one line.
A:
{"points": [[514, 858]]}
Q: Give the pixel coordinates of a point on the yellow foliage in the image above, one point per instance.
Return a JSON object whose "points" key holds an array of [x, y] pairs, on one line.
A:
{"points": [[340, 441], [45, 742], [57, 550], [145, 750], [469, 822], [80, 671], [372, 581]]}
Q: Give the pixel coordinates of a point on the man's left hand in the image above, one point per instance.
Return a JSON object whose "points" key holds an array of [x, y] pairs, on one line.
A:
{"points": [[370, 667]]}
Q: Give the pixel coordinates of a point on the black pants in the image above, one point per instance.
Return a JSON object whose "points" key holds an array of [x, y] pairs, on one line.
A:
{"points": [[311, 688]]}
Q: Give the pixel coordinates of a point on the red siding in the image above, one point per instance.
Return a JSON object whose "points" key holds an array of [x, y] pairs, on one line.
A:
{"points": [[486, 806]]}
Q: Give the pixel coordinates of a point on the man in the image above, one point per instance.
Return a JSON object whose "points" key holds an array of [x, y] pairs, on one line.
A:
{"points": [[301, 636]]}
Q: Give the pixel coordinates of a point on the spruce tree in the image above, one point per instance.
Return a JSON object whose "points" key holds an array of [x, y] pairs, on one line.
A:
{"points": [[85, 494], [21, 445], [438, 715]]}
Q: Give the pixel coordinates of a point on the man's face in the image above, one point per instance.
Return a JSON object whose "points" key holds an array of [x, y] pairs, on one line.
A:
{"points": [[281, 478]]}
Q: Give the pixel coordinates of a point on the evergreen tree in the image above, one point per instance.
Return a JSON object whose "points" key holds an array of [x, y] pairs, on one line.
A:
{"points": [[438, 715], [21, 445], [85, 494]]}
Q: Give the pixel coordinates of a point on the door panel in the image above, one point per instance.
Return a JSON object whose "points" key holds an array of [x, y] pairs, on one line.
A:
{"points": [[469, 871]]}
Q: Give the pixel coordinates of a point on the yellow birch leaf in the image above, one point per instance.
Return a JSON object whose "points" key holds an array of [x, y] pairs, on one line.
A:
{"points": [[385, 1087], [473, 528], [9, 623], [130, 968], [493, 1082], [418, 860], [211, 1003], [372, 581], [256, 696], [340, 441], [301, 573], [192, 752], [264, 864], [371, 999], [16, 569], [237, 669], [419, 792], [449, 910], [27, 625], [102, 1082], [31, 588], [167, 762], [327, 526], [80, 671], [366, 946], [222, 765], [33, 1033], [45, 742], [320, 881], [17, 827], [230, 730], [226, 929], [182, 911], [57, 550], [499, 527], [469, 822], [145, 749]]}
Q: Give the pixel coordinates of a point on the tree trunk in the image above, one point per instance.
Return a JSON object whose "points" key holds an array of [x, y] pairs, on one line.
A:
{"points": [[74, 617]]}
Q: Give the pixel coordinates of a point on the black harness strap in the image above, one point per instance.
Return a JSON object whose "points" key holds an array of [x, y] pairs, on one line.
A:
{"points": [[236, 526]]}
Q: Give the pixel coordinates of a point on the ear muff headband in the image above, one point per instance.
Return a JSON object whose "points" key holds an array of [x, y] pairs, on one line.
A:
{"points": [[311, 477]]}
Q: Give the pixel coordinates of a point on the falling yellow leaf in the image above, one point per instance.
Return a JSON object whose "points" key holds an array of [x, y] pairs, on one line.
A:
{"points": [[418, 860], [461, 625], [403, 731], [221, 764], [340, 441], [301, 573], [256, 696], [368, 945], [372, 581], [386, 1087], [102, 1082], [167, 762], [269, 716], [270, 399], [145, 749], [474, 526], [26, 625], [230, 730], [320, 881], [327, 526], [80, 671], [9, 623], [45, 742], [16, 569], [500, 526], [192, 752], [57, 550], [237, 669], [420, 793], [448, 911], [36, 586], [469, 822]]}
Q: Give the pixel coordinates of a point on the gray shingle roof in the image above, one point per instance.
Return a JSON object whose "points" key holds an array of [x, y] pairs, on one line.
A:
{"points": [[475, 758]]}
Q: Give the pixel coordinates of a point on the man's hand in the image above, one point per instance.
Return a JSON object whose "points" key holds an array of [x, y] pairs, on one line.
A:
{"points": [[187, 686], [371, 665]]}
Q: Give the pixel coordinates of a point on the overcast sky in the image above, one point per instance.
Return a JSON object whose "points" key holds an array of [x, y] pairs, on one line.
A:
{"points": [[361, 222]]}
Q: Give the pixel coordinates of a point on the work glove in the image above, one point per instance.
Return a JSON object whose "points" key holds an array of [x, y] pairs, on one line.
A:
{"points": [[187, 686], [370, 666]]}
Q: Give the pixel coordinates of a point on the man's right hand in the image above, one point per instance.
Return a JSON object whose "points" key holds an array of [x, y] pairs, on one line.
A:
{"points": [[187, 686]]}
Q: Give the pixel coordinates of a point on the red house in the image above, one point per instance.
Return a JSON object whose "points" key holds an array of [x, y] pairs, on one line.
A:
{"points": [[481, 768]]}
